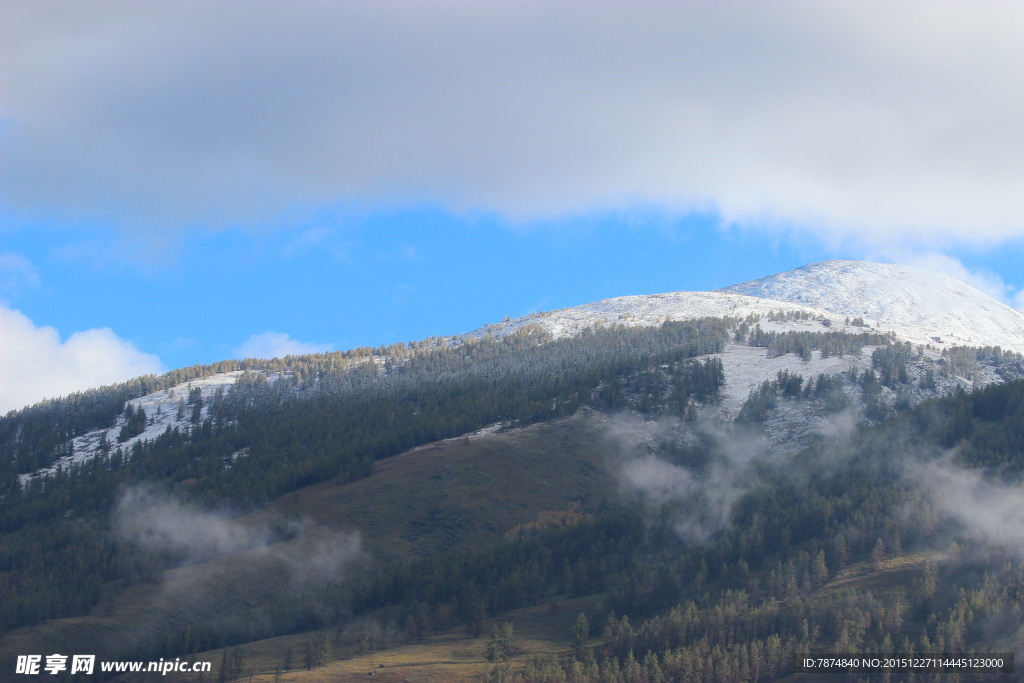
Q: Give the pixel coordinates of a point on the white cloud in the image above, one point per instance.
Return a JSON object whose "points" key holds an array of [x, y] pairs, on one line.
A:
{"points": [[276, 345], [35, 363], [874, 122], [983, 280]]}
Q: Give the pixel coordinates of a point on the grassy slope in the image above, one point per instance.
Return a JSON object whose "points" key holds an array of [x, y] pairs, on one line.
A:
{"points": [[465, 491], [451, 656]]}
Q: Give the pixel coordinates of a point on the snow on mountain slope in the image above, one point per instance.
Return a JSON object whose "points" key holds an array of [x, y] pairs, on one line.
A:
{"points": [[920, 305], [917, 305], [161, 411], [746, 367], [654, 309]]}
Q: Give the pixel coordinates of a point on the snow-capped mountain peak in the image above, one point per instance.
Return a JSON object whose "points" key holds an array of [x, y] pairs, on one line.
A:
{"points": [[918, 304]]}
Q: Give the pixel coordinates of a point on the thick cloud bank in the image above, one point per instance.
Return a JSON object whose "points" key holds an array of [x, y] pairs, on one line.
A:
{"points": [[873, 121]]}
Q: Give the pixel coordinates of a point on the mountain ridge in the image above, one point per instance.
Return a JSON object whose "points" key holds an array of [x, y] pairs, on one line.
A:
{"points": [[918, 305], [458, 480], [827, 296], [918, 300]]}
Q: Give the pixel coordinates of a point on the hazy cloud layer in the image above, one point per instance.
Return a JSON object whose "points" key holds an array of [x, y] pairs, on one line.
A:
{"points": [[698, 501], [276, 345], [989, 511], [310, 554], [35, 363], [699, 506], [155, 520], [876, 122]]}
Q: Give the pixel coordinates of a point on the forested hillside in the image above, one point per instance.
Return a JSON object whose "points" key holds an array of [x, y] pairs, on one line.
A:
{"points": [[327, 418], [698, 551]]}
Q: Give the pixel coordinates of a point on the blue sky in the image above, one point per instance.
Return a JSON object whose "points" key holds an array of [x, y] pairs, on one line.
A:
{"points": [[186, 183], [370, 280]]}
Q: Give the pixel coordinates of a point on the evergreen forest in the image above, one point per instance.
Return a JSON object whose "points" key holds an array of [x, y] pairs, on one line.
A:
{"points": [[705, 555]]}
